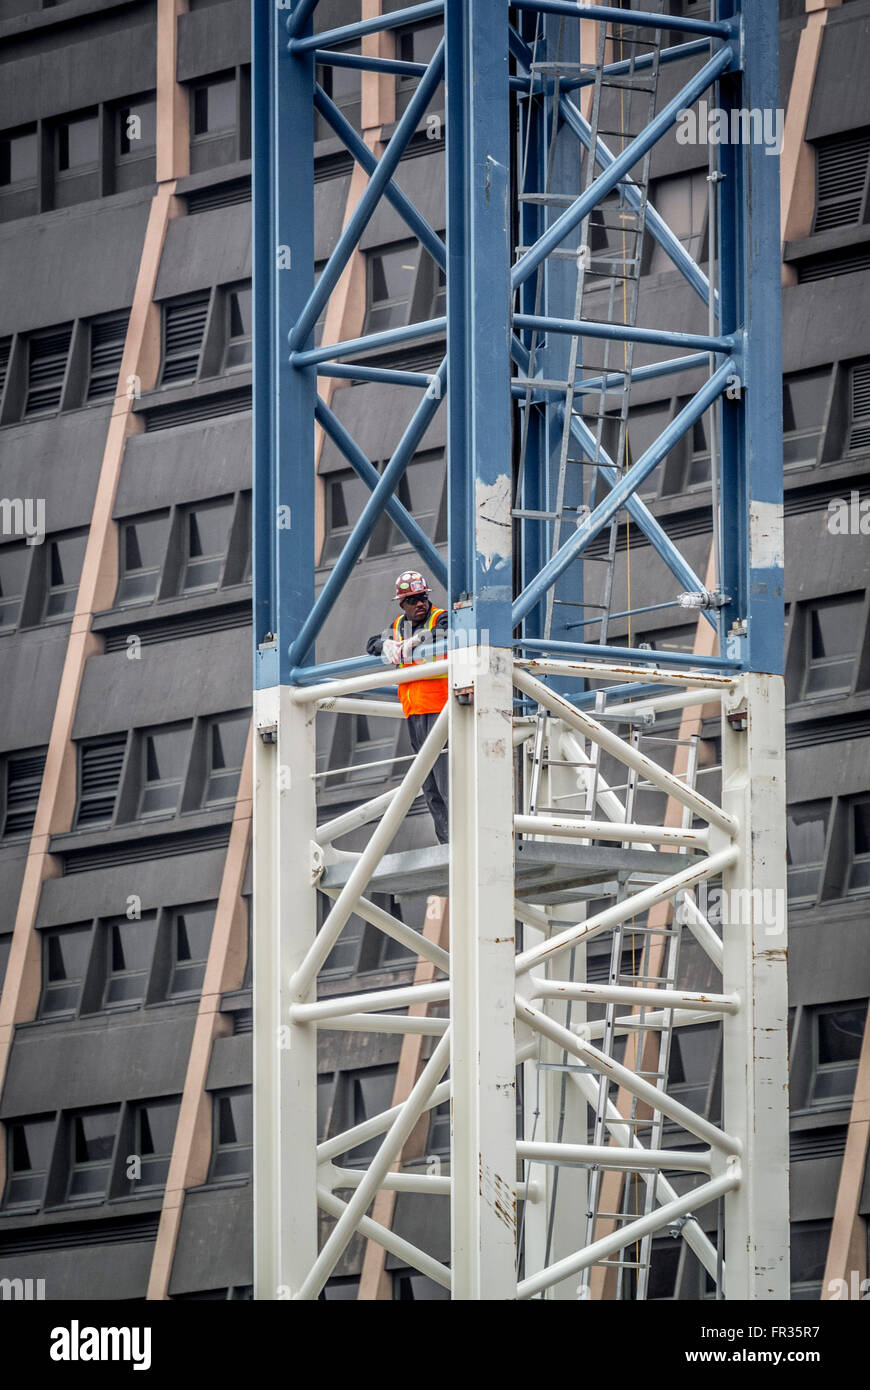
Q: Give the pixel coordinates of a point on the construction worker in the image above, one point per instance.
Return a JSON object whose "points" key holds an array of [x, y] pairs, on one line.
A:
{"points": [[418, 626]]}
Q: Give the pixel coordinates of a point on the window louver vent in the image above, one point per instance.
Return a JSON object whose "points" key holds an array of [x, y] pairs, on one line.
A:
{"points": [[243, 1021], [837, 263], [140, 851], [100, 777], [46, 369], [859, 434], [221, 195], [23, 783], [814, 732], [187, 625], [183, 331], [5, 349], [195, 411], [332, 166], [829, 1142], [78, 1235], [107, 348], [841, 175]]}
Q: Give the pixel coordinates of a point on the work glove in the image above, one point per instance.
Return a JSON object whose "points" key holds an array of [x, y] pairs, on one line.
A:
{"points": [[408, 646], [392, 651]]}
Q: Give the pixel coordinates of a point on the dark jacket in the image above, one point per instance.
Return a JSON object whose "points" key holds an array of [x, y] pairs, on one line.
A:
{"points": [[374, 646]]}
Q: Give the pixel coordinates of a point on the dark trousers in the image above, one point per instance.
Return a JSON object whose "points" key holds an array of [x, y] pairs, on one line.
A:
{"points": [[436, 784]]}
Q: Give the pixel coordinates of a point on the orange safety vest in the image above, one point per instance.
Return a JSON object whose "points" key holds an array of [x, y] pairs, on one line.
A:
{"points": [[422, 697]]}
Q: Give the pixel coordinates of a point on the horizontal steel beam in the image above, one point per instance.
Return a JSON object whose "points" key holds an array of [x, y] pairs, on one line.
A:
{"points": [[621, 332], [346, 33], [640, 19], [622, 1160], [629, 994]]}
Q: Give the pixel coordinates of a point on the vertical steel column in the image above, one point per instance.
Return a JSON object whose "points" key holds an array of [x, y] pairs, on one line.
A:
{"points": [[755, 1066], [483, 1161], [285, 1074]]}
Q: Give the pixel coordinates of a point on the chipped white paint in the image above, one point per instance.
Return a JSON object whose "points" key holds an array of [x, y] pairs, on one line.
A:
{"points": [[493, 507], [765, 536]]}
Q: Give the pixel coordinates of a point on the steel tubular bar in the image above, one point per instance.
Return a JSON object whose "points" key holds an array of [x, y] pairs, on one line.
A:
{"points": [[631, 757], [394, 1140], [428, 237], [415, 941], [659, 704], [362, 871], [340, 1005], [627, 1235], [636, 508], [628, 1079], [621, 332], [623, 1160], [413, 14], [344, 372], [611, 830], [663, 1192], [331, 58], [351, 820], [653, 1020], [386, 1023], [616, 657], [371, 514], [626, 994], [377, 675], [302, 12], [403, 1249], [625, 66], [610, 177], [648, 373], [655, 225], [428, 1183], [364, 210], [637, 18], [624, 488], [383, 709], [390, 337], [628, 907], [365, 470]]}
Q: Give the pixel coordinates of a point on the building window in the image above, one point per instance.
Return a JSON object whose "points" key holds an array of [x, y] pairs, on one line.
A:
{"points": [[66, 556], [78, 143], [421, 491], [804, 398], [842, 166], [344, 87], [365, 1094], [100, 766], [213, 107], [859, 847], [691, 1064], [859, 415], [154, 1125], [832, 640], [239, 327], [23, 785], [806, 836], [227, 740], [838, 1032], [206, 538], [339, 1290], [5, 948], [392, 273], [29, 1150], [92, 1134], [417, 45], [137, 128], [644, 425], [233, 1135], [129, 956], [65, 954], [408, 1285], [438, 1141], [682, 202], [13, 574], [809, 1253], [18, 157], [366, 745], [191, 939], [184, 323], [664, 1265], [143, 545], [108, 336], [165, 755], [346, 495], [47, 355]]}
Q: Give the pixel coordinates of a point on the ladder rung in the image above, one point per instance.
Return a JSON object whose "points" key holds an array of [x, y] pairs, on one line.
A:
{"points": [[536, 383], [558, 254], [549, 199], [630, 84], [621, 1264], [563, 67]]}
